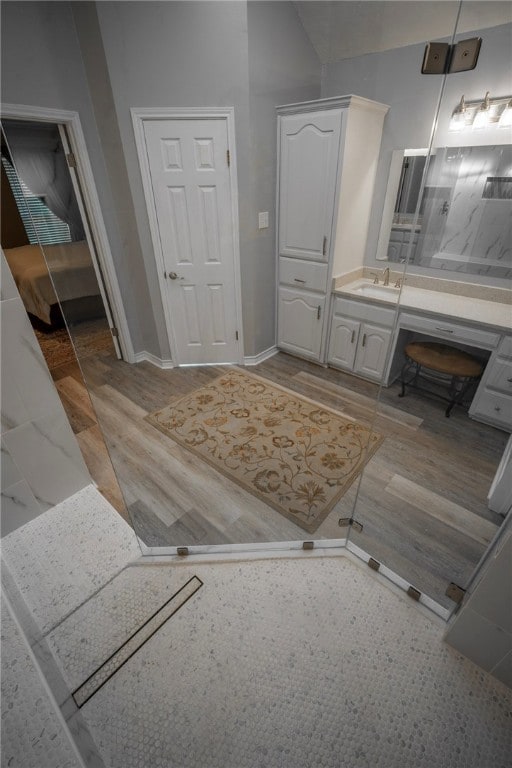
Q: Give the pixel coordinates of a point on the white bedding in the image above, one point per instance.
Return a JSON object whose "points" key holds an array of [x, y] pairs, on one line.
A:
{"points": [[71, 269]]}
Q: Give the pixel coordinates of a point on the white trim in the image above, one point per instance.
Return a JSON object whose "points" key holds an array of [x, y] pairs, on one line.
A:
{"points": [[331, 102], [201, 553], [256, 359], [398, 581], [92, 204], [139, 115], [149, 357]]}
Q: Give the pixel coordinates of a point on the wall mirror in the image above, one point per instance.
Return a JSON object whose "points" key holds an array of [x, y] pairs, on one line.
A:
{"points": [[452, 212]]}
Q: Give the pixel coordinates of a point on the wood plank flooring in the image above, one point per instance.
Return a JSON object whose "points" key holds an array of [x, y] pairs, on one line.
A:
{"points": [[421, 500]]}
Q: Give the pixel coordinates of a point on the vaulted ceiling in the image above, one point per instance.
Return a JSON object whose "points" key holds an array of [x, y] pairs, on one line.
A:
{"points": [[346, 28]]}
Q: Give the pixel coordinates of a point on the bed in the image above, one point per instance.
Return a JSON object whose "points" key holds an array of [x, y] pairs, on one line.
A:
{"points": [[73, 276]]}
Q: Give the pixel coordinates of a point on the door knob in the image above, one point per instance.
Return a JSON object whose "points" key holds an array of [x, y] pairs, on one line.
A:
{"points": [[173, 276]]}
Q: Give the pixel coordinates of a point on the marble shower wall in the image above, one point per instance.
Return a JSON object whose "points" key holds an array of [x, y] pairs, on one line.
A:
{"points": [[41, 462], [473, 233]]}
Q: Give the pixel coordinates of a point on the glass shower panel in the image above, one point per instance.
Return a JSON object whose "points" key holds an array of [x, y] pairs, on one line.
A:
{"points": [[425, 503], [48, 248]]}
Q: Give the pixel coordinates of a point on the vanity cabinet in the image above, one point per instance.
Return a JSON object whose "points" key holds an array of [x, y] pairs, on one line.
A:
{"points": [[360, 337], [328, 152], [493, 399]]}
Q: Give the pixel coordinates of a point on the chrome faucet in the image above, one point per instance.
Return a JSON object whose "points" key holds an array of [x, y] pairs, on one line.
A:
{"points": [[386, 276]]}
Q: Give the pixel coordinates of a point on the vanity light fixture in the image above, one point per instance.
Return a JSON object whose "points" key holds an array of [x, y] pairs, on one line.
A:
{"points": [[490, 112]]}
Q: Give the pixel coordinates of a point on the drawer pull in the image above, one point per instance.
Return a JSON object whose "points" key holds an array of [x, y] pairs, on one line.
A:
{"points": [[318, 312], [353, 337], [324, 246], [298, 280], [364, 340], [444, 330]]}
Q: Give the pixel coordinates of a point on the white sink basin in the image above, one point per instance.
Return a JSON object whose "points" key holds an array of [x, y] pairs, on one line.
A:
{"points": [[373, 291]]}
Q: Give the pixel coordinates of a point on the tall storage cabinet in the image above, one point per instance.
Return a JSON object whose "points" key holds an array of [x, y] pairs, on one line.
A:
{"points": [[327, 154]]}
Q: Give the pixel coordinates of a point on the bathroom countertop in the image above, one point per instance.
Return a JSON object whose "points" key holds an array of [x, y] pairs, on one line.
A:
{"points": [[448, 305]]}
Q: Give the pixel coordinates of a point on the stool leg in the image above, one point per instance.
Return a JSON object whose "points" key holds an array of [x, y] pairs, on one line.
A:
{"points": [[405, 368], [458, 388]]}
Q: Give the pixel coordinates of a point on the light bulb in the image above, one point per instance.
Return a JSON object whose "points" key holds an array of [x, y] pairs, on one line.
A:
{"points": [[505, 120], [483, 113], [458, 120]]}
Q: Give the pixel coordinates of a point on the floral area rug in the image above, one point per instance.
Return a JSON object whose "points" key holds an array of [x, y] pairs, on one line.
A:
{"points": [[295, 455]]}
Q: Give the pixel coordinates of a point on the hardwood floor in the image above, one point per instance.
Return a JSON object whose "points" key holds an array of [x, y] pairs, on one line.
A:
{"points": [[421, 500]]}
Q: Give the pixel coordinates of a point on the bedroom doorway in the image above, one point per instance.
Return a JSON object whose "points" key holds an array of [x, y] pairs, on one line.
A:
{"points": [[47, 238]]}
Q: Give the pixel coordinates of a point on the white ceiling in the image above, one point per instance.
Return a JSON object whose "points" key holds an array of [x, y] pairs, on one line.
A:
{"points": [[346, 28]]}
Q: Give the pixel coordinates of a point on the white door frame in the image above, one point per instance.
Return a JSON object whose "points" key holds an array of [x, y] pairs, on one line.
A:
{"points": [[139, 115], [102, 255]]}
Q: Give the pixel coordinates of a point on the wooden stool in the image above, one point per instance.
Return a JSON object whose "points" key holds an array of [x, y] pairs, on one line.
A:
{"points": [[454, 367]]}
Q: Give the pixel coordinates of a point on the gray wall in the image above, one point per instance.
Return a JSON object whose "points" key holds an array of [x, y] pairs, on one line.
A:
{"points": [[250, 56], [181, 54], [41, 461], [394, 77], [50, 74], [283, 68]]}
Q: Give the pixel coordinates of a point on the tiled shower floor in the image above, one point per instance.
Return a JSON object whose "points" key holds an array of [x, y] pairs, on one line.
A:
{"points": [[287, 663]]}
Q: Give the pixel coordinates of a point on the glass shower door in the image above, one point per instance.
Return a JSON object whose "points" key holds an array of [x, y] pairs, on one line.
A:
{"points": [[423, 501]]}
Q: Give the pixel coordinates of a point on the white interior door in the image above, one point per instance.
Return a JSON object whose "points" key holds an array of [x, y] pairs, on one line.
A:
{"points": [[190, 181]]}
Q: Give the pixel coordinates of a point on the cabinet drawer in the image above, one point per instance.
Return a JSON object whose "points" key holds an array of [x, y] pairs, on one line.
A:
{"points": [[448, 330], [303, 274], [505, 348], [493, 407], [500, 376], [362, 311]]}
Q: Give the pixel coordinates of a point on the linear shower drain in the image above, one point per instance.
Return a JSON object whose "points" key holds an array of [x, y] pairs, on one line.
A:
{"points": [[117, 659]]}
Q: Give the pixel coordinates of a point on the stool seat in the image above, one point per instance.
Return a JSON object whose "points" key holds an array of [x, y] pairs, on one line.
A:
{"points": [[444, 359]]}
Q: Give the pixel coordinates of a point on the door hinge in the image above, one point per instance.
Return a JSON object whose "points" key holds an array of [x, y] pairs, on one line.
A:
{"points": [[71, 160], [236, 335], [114, 332], [228, 157], [455, 593], [345, 522]]}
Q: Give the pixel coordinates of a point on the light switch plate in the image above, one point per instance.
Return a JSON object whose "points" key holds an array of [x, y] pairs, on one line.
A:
{"points": [[263, 220], [465, 55]]}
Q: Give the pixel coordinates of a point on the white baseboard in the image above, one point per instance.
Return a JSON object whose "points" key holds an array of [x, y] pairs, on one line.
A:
{"points": [[256, 359], [149, 357]]}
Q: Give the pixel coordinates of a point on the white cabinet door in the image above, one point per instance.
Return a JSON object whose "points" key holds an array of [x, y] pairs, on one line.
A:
{"points": [[343, 342], [309, 154], [372, 351], [300, 320]]}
